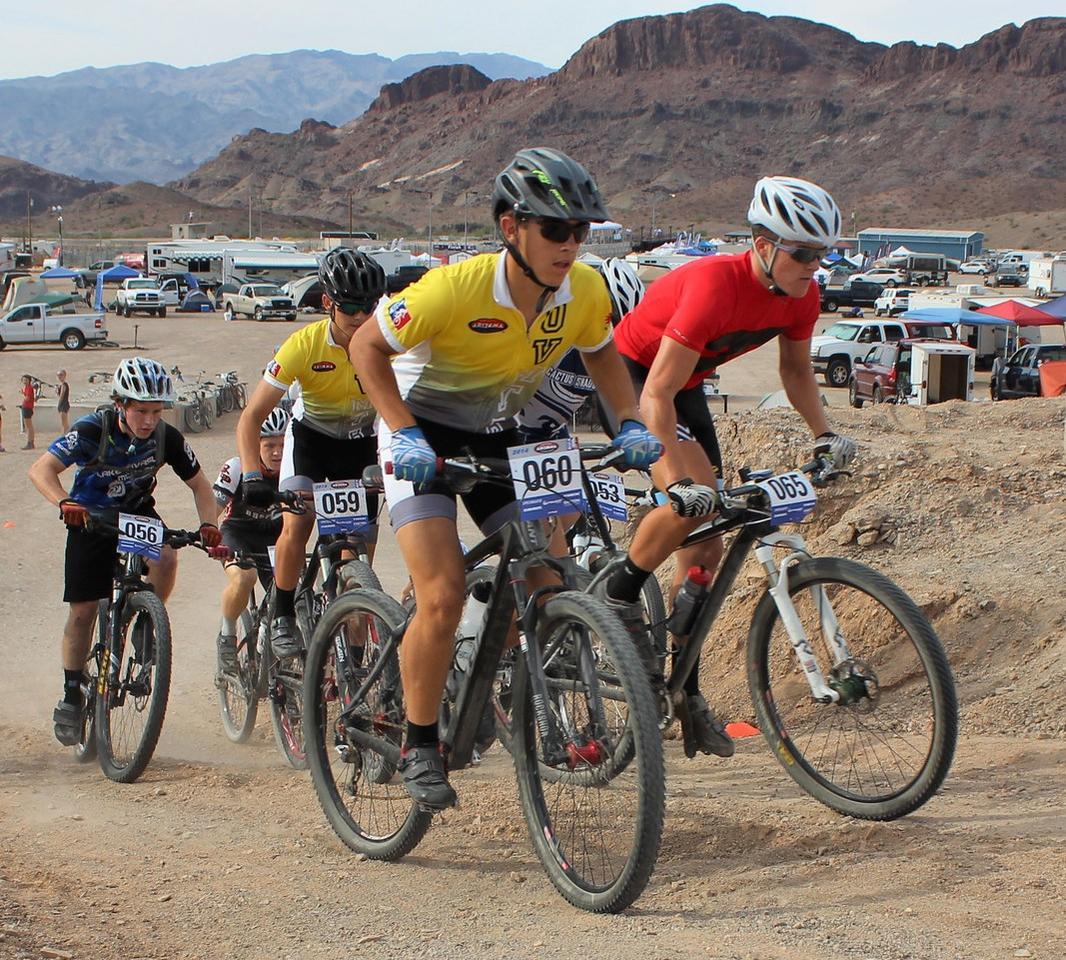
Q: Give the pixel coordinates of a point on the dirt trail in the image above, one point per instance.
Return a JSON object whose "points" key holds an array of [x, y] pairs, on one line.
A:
{"points": [[222, 852]]}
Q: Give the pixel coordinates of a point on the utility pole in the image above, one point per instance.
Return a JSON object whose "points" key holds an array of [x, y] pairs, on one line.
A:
{"points": [[350, 222], [29, 225], [58, 211], [249, 213]]}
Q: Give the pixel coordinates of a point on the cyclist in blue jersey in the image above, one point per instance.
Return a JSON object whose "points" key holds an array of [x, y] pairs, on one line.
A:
{"points": [[118, 452]]}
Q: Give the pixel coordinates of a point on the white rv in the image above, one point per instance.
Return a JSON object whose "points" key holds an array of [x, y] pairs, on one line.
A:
{"points": [[204, 258], [266, 266], [1047, 276]]}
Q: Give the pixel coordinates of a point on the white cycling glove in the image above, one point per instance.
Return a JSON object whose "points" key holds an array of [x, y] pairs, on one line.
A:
{"points": [[841, 450], [691, 500]]}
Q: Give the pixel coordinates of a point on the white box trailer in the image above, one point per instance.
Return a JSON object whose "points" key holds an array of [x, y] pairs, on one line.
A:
{"points": [[941, 371], [1047, 276]]}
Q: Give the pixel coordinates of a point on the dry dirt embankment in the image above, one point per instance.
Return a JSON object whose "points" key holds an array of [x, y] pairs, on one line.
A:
{"points": [[221, 852]]}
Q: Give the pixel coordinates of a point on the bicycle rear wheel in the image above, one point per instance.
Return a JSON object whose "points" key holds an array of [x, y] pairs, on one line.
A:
{"points": [[238, 696], [285, 691], [358, 787], [193, 419], [596, 827], [886, 749], [130, 711]]}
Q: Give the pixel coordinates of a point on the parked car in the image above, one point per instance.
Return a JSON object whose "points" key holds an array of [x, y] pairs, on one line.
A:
{"points": [[856, 294], [886, 276], [89, 274], [1020, 375], [975, 266], [893, 300], [834, 352], [882, 375], [1007, 278]]}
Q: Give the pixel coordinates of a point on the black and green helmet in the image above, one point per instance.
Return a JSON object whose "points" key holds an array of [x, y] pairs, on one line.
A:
{"points": [[541, 182]]}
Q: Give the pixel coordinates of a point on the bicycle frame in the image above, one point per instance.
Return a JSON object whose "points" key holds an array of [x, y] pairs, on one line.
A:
{"points": [[130, 570]]}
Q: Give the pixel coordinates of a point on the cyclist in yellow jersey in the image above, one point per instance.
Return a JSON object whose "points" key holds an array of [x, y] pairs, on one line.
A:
{"points": [[331, 435], [471, 344]]}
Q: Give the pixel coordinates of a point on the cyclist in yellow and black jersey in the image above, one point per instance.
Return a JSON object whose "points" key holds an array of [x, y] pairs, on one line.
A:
{"points": [[472, 342], [331, 435]]}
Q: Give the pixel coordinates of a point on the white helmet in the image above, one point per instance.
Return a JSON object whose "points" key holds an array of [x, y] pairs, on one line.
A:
{"points": [[275, 424], [138, 378], [795, 210], [623, 284]]}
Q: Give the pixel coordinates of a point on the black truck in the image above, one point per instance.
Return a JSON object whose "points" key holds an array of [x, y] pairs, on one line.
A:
{"points": [[861, 293]]}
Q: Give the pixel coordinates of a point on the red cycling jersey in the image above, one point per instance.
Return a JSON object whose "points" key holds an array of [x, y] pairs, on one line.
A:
{"points": [[715, 306]]}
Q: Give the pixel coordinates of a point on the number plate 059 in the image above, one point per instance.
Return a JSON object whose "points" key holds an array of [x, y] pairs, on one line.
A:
{"points": [[547, 478], [340, 506]]}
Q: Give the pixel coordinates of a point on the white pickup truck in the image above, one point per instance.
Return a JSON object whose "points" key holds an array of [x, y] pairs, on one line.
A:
{"points": [[34, 323], [140, 295], [834, 352], [261, 301]]}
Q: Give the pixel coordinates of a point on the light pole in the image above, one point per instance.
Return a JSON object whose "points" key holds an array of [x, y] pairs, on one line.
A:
{"points": [[429, 196], [467, 194], [654, 206], [58, 211]]}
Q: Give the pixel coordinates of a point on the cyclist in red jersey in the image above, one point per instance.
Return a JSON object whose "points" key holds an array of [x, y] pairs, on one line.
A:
{"points": [[690, 322]]}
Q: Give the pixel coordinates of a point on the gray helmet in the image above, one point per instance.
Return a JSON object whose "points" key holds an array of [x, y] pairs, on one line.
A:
{"points": [[541, 182]]}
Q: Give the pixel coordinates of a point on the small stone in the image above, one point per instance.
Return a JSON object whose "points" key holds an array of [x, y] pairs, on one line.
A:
{"points": [[159, 792], [516, 877], [868, 538], [76, 816], [164, 898], [371, 938], [1018, 953], [56, 954]]}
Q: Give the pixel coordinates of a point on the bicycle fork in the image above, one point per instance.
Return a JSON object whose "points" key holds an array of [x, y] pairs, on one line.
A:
{"points": [[777, 575]]}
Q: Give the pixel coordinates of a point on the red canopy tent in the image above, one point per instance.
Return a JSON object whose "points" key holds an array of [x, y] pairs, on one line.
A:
{"points": [[1021, 314]]}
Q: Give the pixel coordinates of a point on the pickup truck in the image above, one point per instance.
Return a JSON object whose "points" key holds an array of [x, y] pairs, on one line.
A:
{"points": [[833, 354], [140, 295], [261, 301], [34, 323], [857, 293]]}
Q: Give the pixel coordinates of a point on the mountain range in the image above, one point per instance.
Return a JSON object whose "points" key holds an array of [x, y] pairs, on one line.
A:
{"points": [[154, 122], [677, 116]]}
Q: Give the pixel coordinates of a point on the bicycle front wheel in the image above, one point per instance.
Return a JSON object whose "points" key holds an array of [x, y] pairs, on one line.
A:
{"points": [[130, 711], [286, 694], [596, 828], [358, 787], [886, 747], [85, 749], [238, 696]]}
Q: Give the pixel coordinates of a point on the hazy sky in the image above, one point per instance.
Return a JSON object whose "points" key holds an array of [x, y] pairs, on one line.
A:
{"points": [[52, 36]]}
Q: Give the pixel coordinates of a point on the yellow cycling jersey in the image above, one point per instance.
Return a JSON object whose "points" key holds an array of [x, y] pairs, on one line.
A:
{"points": [[333, 399], [465, 355]]}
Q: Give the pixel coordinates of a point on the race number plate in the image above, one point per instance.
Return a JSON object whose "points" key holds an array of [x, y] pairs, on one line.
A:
{"points": [[340, 506], [141, 535], [610, 495], [547, 478], [791, 497]]}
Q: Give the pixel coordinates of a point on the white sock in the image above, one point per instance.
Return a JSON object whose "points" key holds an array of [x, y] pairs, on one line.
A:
{"points": [[228, 628]]}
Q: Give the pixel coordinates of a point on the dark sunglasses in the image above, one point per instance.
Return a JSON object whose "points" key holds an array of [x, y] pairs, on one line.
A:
{"points": [[559, 231], [352, 307], [803, 254]]}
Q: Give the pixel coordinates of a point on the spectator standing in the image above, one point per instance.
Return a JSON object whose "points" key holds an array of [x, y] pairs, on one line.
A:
{"points": [[63, 400], [29, 401]]}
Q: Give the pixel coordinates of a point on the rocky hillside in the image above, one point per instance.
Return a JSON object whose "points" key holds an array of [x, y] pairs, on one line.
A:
{"points": [[150, 121], [20, 180], [684, 112]]}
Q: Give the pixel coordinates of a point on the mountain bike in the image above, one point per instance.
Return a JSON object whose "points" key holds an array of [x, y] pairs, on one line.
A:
{"points": [[198, 401], [128, 667], [849, 681], [338, 562], [578, 687]]}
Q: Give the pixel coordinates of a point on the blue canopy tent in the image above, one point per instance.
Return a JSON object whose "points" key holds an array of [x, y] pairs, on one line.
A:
{"points": [[1055, 308], [952, 316], [118, 272], [58, 273]]}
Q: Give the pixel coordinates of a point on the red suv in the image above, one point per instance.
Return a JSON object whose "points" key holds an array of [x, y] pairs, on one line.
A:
{"points": [[883, 374]]}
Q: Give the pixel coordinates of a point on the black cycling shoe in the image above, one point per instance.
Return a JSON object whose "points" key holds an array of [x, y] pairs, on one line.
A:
{"points": [[283, 638], [426, 779], [68, 719], [702, 730], [227, 655]]}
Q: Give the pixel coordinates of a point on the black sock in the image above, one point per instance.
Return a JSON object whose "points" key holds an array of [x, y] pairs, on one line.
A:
{"points": [[625, 583], [284, 602], [72, 680], [691, 685], [421, 735]]}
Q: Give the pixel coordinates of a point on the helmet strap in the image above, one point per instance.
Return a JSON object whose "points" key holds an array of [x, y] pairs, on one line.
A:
{"points": [[768, 268], [548, 289]]}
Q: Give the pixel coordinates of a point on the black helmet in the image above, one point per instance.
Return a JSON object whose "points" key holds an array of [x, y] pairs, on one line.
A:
{"points": [[541, 182], [348, 276]]}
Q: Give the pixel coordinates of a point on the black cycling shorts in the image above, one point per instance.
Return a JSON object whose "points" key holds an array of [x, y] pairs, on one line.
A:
{"points": [[312, 457], [89, 563], [490, 505], [249, 538], [692, 411]]}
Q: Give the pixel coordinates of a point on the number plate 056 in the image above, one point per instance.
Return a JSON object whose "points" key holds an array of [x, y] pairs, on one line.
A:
{"points": [[142, 535], [340, 506], [547, 478]]}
